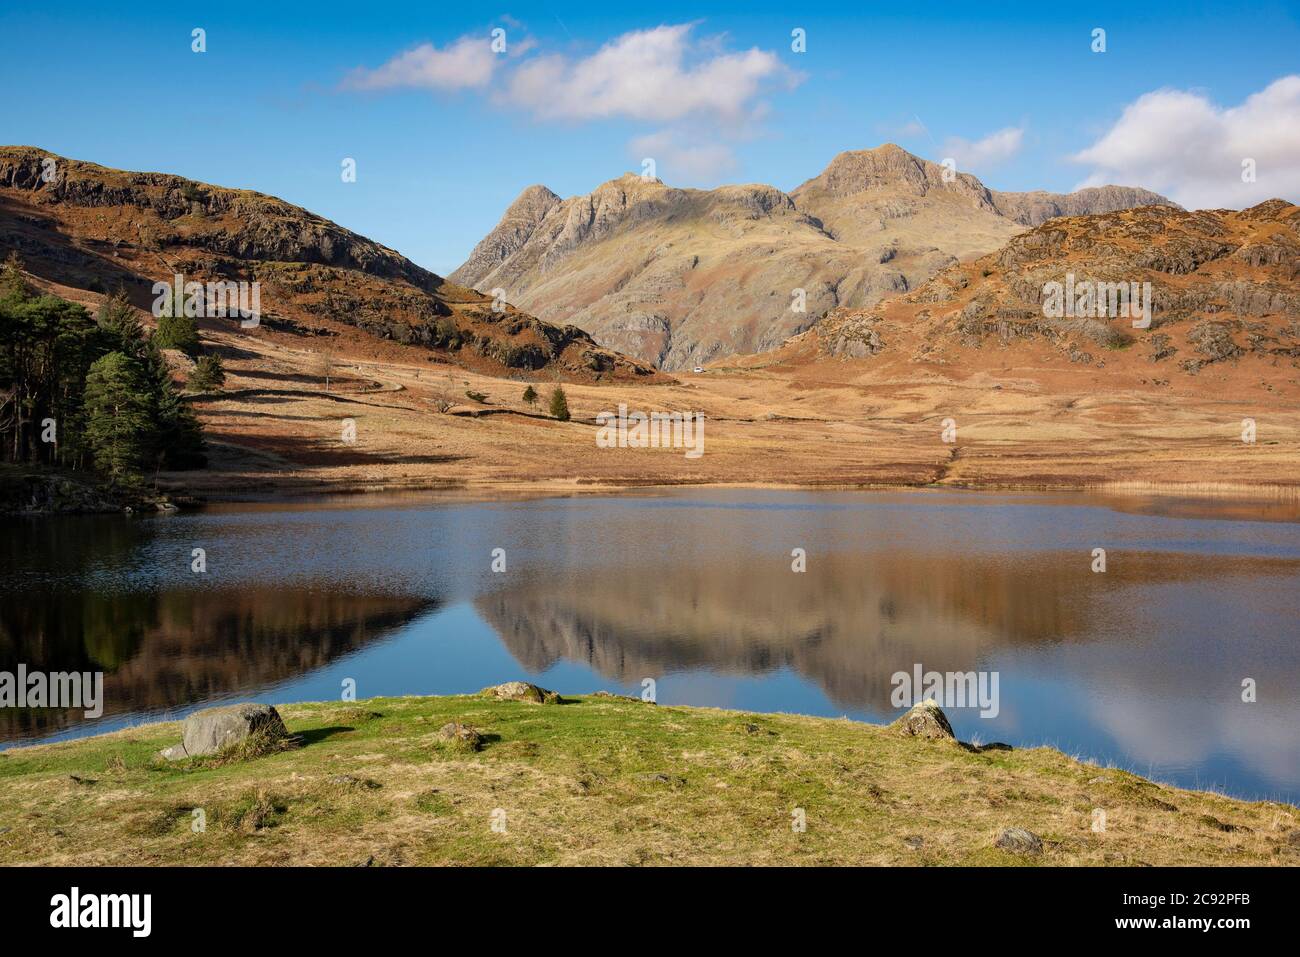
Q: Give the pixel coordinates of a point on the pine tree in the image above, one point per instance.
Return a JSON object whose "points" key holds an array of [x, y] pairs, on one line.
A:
{"points": [[209, 374], [118, 417], [177, 330], [12, 285], [559, 404], [119, 320], [124, 419], [178, 438], [530, 395]]}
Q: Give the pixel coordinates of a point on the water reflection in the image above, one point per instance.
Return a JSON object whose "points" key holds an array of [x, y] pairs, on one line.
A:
{"points": [[854, 619], [162, 651], [1141, 665]]}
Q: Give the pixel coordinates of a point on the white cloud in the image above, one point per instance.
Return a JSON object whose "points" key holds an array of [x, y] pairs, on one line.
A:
{"points": [[700, 93], [467, 63], [1182, 145], [986, 153], [681, 162], [659, 75]]}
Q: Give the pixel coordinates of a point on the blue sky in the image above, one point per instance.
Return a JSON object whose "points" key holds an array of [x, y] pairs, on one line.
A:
{"points": [[1015, 94]]}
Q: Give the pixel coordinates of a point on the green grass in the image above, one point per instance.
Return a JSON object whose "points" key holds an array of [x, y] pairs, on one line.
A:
{"points": [[600, 781]]}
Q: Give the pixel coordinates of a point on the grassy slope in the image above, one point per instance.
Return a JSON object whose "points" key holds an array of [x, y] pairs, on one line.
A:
{"points": [[602, 781]]}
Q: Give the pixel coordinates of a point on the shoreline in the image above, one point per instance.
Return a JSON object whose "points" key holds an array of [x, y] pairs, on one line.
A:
{"points": [[544, 488], [608, 780], [174, 494]]}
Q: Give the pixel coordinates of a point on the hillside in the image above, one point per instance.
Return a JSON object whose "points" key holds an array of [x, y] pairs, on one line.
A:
{"points": [[1224, 291], [856, 400], [679, 277], [323, 287]]}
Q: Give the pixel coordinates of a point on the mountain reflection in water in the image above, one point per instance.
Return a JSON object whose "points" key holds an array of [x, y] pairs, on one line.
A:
{"points": [[849, 627], [1141, 666], [161, 651]]}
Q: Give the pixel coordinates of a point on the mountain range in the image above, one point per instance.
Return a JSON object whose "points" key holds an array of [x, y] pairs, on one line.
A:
{"points": [[680, 277], [428, 369]]}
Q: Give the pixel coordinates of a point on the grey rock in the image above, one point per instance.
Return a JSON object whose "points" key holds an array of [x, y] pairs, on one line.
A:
{"points": [[659, 778], [462, 735], [212, 729], [925, 720], [1033, 208], [1019, 841], [522, 691], [175, 753]]}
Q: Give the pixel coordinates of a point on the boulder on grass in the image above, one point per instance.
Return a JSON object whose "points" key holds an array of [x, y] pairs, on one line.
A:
{"points": [[461, 736], [215, 729], [1019, 841], [925, 720], [522, 691]]}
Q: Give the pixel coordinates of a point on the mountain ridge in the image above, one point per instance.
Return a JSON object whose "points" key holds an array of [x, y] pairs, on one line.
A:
{"points": [[686, 276], [92, 227], [1223, 286]]}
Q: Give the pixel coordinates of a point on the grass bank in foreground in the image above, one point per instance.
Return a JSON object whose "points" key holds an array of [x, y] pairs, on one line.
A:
{"points": [[600, 780]]}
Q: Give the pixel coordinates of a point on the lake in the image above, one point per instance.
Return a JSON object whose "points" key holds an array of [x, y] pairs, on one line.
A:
{"points": [[1141, 665]]}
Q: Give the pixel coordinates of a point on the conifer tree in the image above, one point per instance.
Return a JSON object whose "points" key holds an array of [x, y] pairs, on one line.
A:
{"points": [[559, 404], [118, 418]]}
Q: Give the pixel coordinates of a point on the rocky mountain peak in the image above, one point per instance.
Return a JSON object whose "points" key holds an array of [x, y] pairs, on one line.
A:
{"points": [[532, 204], [679, 277], [892, 168]]}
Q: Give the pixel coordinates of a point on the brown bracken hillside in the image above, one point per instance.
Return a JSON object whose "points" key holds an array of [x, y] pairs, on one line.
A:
{"points": [[99, 229]]}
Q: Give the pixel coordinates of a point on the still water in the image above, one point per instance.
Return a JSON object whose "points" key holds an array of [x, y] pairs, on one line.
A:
{"points": [[1140, 666]]}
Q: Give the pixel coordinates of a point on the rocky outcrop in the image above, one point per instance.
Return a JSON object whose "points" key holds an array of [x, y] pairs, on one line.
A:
{"points": [[1036, 207], [1213, 342], [851, 335], [197, 214], [518, 224]]}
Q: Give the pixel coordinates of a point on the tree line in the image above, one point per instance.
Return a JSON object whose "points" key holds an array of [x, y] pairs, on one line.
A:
{"points": [[91, 393]]}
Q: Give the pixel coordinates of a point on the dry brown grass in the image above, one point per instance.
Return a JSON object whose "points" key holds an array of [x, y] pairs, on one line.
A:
{"points": [[795, 422]]}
